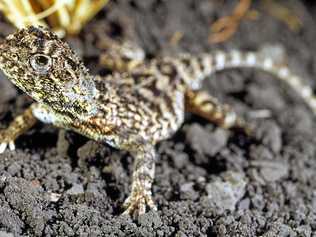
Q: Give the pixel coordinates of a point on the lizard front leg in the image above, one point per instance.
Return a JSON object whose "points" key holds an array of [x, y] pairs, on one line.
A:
{"points": [[143, 176], [16, 128], [208, 107]]}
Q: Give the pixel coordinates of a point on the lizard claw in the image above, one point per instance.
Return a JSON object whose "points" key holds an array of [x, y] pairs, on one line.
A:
{"points": [[6, 141], [5, 145], [136, 203]]}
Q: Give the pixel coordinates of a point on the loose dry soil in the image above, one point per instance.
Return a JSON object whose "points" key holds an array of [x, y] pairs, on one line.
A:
{"points": [[209, 182]]}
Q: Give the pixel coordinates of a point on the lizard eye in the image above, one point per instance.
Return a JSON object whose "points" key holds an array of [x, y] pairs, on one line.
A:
{"points": [[41, 63]]}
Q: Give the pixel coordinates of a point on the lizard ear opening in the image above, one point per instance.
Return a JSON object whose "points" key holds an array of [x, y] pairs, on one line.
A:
{"points": [[41, 63]]}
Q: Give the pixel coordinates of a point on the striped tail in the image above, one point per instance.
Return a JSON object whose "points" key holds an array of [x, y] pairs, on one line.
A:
{"points": [[207, 64]]}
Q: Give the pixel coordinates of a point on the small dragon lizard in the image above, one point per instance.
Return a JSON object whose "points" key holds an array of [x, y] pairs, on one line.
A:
{"points": [[133, 108]]}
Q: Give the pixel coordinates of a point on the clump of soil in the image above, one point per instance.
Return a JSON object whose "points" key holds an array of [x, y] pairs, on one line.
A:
{"points": [[209, 182]]}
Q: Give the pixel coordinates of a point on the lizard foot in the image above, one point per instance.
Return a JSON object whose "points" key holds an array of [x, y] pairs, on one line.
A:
{"points": [[6, 142], [136, 203]]}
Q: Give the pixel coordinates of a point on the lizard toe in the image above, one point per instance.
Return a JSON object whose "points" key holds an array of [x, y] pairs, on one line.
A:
{"points": [[5, 145], [137, 202]]}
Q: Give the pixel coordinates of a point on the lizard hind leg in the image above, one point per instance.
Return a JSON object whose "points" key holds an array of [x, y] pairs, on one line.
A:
{"points": [[121, 57], [143, 176], [208, 107]]}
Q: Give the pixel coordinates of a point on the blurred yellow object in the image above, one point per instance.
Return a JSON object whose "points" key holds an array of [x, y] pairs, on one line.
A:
{"points": [[225, 27], [63, 16], [284, 14]]}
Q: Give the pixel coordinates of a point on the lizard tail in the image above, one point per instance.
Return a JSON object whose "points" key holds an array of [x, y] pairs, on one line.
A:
{"points": [[207, 64]]}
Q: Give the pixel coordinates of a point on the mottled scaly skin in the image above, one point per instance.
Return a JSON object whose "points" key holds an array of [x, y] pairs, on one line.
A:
{"points": [[133, 109]]}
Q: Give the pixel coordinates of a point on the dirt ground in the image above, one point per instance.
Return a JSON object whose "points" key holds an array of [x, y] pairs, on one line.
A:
{"points": [[209, 181]]}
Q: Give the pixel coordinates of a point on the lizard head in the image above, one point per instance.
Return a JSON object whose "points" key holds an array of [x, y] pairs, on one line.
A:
{"points": [[45, 67]]}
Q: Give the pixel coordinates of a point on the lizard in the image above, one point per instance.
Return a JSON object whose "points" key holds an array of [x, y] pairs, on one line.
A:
{"points": [[132, 110]]}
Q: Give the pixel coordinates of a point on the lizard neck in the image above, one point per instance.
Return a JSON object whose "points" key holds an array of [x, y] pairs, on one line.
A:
{"points": [[78, 105], [90, 98]]}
